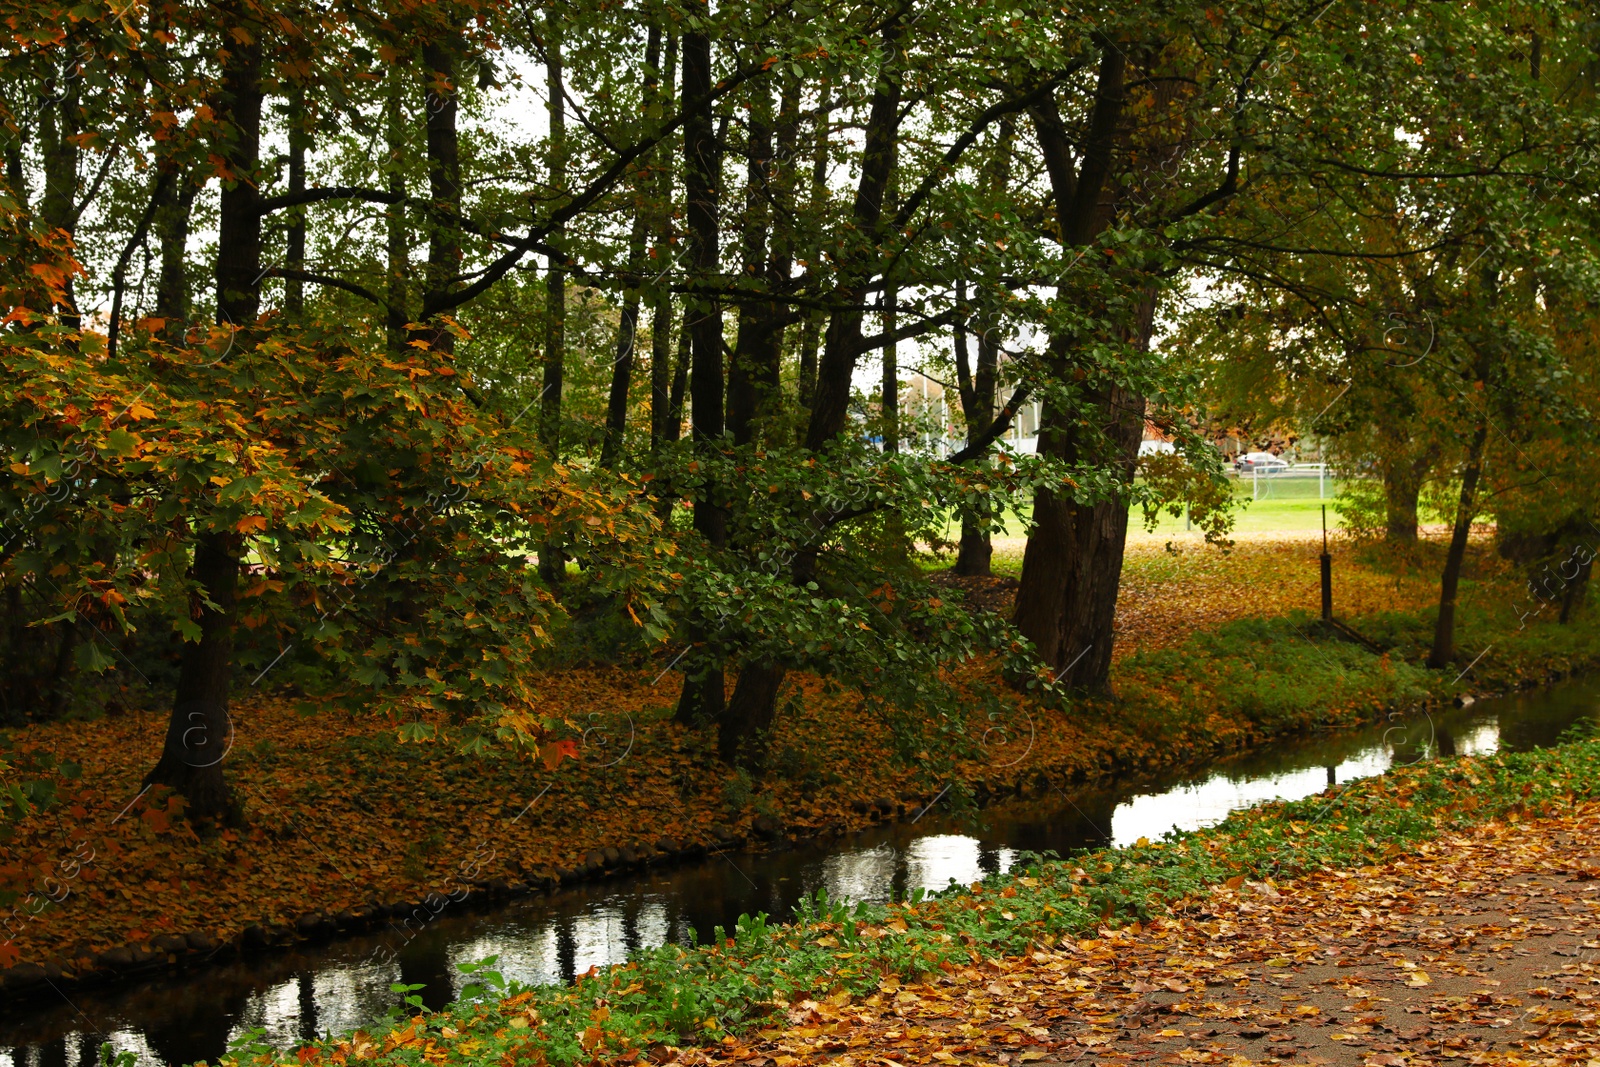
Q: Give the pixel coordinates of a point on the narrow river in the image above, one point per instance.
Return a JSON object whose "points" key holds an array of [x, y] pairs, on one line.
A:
{"points": [[295, 995]]}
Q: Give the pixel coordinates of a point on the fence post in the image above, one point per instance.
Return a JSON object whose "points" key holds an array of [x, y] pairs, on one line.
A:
{"points": [[1327, 571]]}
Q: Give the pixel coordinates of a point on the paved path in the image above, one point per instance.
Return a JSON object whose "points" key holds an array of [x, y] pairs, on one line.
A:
{"points": [[1481, 948]]}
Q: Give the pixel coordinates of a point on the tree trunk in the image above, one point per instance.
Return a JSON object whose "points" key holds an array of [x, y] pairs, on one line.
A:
{"points": [[621, 377], [60, 150], [758, 684], [294, 293], [680, 382], [172, 231], [830, 402], [553, 556], [753, 380], [1444, 632], [702, 697], [661, 310], [441, 100], [811, 324], [743, 728], [1072, 566], [1401, 489], [399, 265], [889, 386], [755, 316], [660, 370], [198, 732], [974, 558], [1576, 590]]}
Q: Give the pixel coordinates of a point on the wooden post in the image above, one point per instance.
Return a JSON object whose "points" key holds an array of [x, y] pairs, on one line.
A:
{"points": [[1327, 571]]}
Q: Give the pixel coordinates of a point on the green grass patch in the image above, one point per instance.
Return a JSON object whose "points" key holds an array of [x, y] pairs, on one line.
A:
{"points": [[1271, 675]]}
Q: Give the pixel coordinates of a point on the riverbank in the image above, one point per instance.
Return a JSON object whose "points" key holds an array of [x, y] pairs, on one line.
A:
{"points": [[1441, 911], [347, 828]]}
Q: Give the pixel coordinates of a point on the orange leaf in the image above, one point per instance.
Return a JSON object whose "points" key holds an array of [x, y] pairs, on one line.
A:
{"points": [[554, 753]]}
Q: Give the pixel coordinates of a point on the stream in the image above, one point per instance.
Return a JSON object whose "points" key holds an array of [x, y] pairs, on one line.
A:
{"points": [[297, 994]]}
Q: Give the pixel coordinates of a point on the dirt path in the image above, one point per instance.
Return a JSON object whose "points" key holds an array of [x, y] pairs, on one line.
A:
{"points": [[1482, 948]]}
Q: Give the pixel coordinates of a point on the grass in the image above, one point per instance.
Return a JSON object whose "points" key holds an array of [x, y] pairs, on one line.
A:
{"points": [[1292, 506], [674, 996]]}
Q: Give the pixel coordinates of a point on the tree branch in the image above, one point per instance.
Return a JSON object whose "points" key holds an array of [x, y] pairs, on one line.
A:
{"points": [[997, 428], [330, 282], [268, 204]]}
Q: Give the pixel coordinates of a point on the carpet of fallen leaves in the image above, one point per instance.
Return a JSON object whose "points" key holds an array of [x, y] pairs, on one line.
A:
{"points": [[1175, 585], [1480, 948], [340, 815], [1166, 595]]}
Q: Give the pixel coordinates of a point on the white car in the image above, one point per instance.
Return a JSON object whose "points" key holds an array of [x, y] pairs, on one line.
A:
{"points": [[1260, 461]]}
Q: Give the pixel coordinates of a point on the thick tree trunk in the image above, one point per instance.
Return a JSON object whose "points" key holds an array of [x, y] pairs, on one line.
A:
{"points": [[1444, 632], [1401, 489], [172, 231], [975, 553], [60, 150], [702, 697], [743, 728], [198, 732], [1576, 590], [398, 267], [441, 101], [1072, 566]]}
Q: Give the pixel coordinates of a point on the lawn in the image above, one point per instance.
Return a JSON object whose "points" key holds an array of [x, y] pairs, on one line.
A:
{"points": [[1283, 506]]}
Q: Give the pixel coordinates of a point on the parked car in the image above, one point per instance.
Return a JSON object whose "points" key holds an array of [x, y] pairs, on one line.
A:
{"points": [[1259, 461]]}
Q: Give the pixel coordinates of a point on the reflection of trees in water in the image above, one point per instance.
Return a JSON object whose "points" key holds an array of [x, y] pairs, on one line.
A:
{"points": [[199, 1031], [425, 961]]}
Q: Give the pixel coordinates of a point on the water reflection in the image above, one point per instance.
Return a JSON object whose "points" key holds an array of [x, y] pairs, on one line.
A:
{"points": [[294, 996]]}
